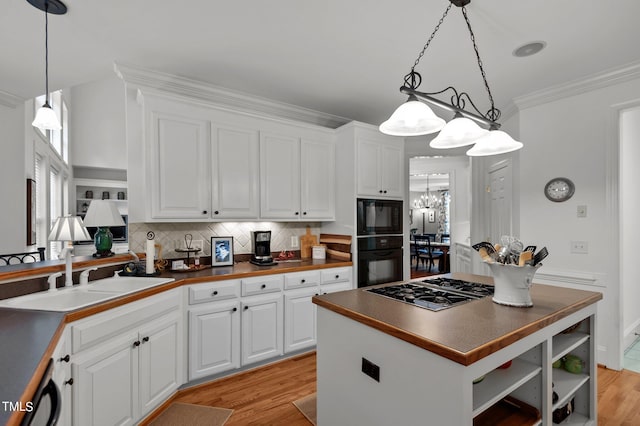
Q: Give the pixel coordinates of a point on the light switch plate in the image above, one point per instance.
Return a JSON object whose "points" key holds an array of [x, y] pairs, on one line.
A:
{"points": [[579, 247]]}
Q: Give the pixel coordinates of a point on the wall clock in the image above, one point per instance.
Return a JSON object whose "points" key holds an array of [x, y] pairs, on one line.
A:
{"points": [[559, 189]]}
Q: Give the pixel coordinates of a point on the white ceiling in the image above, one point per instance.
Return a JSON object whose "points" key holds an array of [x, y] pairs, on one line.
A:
{"points": [[346, 58]]}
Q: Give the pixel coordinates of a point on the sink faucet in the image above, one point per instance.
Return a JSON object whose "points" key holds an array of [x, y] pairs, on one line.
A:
{"points": [[52, 281], [135, 256], [84, 276]]}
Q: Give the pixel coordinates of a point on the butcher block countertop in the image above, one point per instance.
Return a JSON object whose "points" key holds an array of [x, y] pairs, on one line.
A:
{"points": [[464, 333]]}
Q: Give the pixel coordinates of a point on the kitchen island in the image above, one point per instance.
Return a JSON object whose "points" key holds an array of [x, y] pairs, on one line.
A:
{"points": [[384, 362]]}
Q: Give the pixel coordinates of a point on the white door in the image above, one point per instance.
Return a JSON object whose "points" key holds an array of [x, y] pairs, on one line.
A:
{"points": [[317, 179], [262, 328], [235, 173], [368, 168], [106, 384], [214, 339], [299, 319], [391, 165], [279, 176], [180, 185], [501, 198], [159, 361]]}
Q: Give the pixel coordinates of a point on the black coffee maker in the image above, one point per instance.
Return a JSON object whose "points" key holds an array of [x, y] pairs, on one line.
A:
{"points": [[262, 248]]}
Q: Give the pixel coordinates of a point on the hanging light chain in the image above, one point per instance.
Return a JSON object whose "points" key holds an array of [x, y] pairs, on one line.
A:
{"points": [[46, 52], [493, 114], [421, 54]]}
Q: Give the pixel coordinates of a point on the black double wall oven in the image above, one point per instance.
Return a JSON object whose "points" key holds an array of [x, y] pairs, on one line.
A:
{"points": [[380, 241]]}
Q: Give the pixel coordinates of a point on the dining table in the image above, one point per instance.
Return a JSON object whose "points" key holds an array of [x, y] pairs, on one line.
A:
{"points": [[443, 263]]}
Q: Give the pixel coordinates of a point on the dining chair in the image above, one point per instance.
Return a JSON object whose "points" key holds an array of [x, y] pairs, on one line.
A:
{"points": [[425, 252], [27, 257]]}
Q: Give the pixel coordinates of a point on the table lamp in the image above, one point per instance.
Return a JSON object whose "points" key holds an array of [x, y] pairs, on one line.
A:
{"points": [[68, 229], [103, 214]]}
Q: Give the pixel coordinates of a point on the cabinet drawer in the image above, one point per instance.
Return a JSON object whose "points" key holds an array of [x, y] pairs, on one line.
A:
{"points": [[301, 279], [211, 292], [261, 285], [96, 329], [336, 275]]}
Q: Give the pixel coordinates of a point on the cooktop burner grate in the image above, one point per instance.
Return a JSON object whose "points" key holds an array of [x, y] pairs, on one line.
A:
{"points": [[467, 287], [431, 298]]}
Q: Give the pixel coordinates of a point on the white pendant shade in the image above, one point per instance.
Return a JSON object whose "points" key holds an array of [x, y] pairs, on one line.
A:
{"points": [[458, 132], [46, 119], [495, 142], [103, 213], [412, 118], [69, 228]]}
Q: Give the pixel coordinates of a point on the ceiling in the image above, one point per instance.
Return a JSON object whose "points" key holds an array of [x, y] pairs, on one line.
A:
{"points": [[346, 58]]}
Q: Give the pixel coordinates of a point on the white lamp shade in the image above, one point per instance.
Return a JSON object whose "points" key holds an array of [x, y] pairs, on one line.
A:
{"points": [[46, 119], [69, 228], [496, 142], [458, 132], [412, 118], [103, 213]]}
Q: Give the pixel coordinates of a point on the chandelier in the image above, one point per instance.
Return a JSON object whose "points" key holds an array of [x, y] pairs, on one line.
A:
{"points": [[427, 200], [415, 117]]}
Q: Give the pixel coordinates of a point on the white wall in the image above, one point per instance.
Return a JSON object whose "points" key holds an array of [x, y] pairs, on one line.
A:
{"points": [[98, 124], [571, 137], [629, 223], [12, 180]]}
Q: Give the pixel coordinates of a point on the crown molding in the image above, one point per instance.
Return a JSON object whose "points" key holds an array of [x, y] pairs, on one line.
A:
{"points": [[575, 87], [238, 101], [9, 100]]}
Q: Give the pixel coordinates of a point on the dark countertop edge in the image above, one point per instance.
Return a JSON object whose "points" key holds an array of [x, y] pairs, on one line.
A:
{"points": [[464, 358], [186, 278]]}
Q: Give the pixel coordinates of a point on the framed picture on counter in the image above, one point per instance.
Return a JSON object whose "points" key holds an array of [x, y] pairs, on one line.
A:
{"points": [[221, 251]]}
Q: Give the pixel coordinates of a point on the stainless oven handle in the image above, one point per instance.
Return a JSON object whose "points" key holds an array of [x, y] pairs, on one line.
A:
{"points": [[56, 402]]}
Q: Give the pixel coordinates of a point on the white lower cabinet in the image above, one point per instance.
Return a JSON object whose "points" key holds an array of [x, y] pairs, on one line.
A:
{"points": [[299, 319], [262, 327], [126, 361], [214, 338]]}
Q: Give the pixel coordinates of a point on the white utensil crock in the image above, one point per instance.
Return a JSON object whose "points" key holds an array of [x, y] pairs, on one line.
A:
{"points": [[512, 284]]}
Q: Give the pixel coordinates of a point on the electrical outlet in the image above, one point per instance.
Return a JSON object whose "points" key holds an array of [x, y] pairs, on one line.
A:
{"points": [[581, 211], [579, 247], [294, 241]]}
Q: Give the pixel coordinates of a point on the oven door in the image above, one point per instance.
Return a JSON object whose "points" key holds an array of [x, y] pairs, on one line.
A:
{"points": [[379, 217], [379, 266]]}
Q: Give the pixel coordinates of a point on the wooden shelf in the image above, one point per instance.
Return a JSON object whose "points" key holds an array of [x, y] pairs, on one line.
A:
{"points": [[501, 382]]}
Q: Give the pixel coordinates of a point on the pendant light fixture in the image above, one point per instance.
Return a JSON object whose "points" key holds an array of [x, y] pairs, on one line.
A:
{"points": [[46, 118], [463, 129]]}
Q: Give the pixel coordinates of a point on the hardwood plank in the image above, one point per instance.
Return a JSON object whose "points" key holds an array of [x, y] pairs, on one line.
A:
{"points": [[265, 396]]}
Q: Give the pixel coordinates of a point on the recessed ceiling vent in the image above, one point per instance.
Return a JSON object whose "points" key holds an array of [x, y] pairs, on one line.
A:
{"points": [[529, 49]]}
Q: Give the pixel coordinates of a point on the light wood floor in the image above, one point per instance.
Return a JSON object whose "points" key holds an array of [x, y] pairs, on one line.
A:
{"points": [[264, 396]]}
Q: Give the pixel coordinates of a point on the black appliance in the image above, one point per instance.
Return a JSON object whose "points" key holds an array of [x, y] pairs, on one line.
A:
{"points": [[379, 217], [435, 294], [120, 233], [379, 260], [262, 248], [47, 402]]}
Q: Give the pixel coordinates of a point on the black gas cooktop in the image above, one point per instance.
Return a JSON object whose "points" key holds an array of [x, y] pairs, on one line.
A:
{"points": [[435, 294]]}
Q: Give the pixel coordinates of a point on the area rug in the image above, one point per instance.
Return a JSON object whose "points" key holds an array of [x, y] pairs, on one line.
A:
{"points": [[180, 414], [307, 407]]}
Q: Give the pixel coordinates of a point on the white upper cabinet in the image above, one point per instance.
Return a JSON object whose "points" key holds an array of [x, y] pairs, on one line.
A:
{"points": [[297, 178], [235, 175], [380, 168], [179, 173]]}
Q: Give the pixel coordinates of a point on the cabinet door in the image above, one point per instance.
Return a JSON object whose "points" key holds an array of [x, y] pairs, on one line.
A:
{"points": [[299, 319], [279, 176], [160, 355], [317, 179], [368, 168], [262, 328], [106, 384], [391, 160], [61, 375], [179, 182], [214, 338], [235, 173]]}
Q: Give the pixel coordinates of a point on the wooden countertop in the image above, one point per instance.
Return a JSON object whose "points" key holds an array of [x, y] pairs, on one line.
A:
{"points": [[29, 337], [465, 333]]}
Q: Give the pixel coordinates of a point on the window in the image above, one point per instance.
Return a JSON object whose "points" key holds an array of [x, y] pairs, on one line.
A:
{"points": [[51, 173]]}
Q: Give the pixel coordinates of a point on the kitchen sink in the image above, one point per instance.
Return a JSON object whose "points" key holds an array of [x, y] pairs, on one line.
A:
{"points": [[69, 299], [124, 285]]}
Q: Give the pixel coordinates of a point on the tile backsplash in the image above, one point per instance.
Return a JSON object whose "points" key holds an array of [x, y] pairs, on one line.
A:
{"points": [[172, 235]]}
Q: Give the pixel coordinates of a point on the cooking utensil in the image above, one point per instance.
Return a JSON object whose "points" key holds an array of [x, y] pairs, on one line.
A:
{"points": [[537, 258], [532, 249]]}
